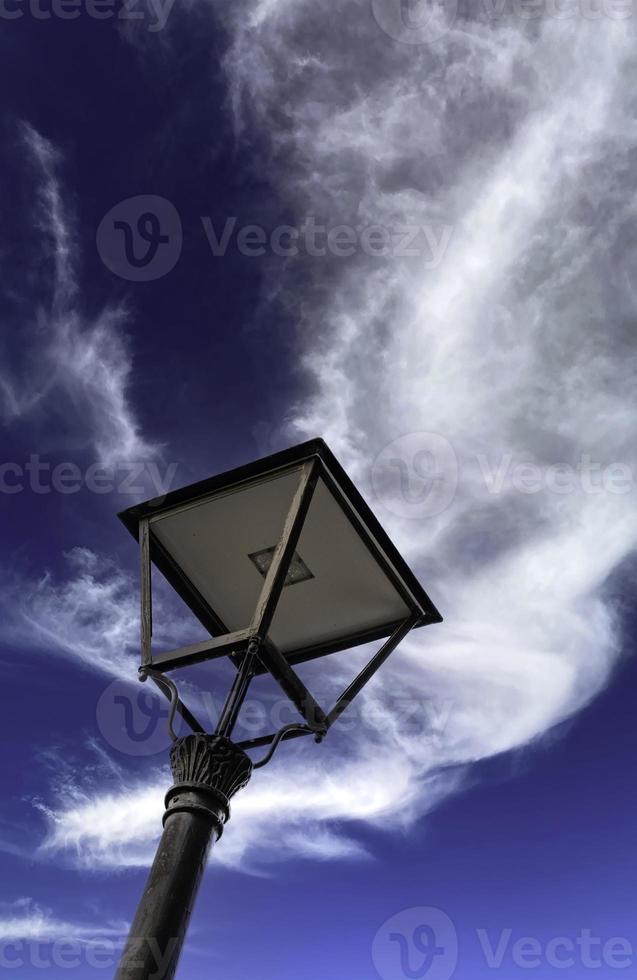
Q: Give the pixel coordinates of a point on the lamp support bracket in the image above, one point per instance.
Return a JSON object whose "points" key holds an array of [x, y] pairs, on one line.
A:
{"points": [[169, 689]]}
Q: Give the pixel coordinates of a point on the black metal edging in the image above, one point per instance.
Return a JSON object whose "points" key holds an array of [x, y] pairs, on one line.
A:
{"points": [[195, 653], [368, 671], [261, 740], [329, 647], [411, 596]]}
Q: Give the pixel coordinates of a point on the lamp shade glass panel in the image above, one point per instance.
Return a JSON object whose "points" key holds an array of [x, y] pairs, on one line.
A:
{"points": [[335, 589]]}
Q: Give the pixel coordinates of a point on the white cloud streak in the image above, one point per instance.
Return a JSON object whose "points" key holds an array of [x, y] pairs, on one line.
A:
{"points": [[90, 615], [83, 361], [295, 811], [25, 921]]}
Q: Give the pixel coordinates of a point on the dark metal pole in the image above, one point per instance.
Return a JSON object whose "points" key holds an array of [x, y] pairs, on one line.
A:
{"points": [[238, 691], [208, 770]]}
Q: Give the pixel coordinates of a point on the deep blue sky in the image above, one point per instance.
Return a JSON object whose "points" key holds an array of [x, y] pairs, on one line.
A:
{"points": [[539, 840]]}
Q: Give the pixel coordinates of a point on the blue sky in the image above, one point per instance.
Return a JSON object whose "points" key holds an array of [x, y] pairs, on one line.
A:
{"points": [[409, 230]]}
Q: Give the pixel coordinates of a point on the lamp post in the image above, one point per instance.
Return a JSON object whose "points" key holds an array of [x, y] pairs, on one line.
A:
{"points": [[282, 561]]}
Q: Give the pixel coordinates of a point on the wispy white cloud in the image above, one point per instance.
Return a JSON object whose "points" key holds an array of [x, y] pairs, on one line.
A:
{"points": [[24, 920], [79, 366], [51, 218], [293, 811], [90, 614]]}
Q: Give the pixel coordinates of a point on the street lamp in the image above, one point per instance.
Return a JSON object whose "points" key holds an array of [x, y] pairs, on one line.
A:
{"points": [[282, 561]]}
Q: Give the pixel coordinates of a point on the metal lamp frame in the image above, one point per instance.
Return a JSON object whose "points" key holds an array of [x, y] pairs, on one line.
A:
{"points": [[251, 649]]}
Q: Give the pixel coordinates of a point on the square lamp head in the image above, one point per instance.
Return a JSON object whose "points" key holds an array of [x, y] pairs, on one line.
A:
{"points": [[283, 552]]}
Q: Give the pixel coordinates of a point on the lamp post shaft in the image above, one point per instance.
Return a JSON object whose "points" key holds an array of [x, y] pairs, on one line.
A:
{"points": [[159, 927], [208, 770]]}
